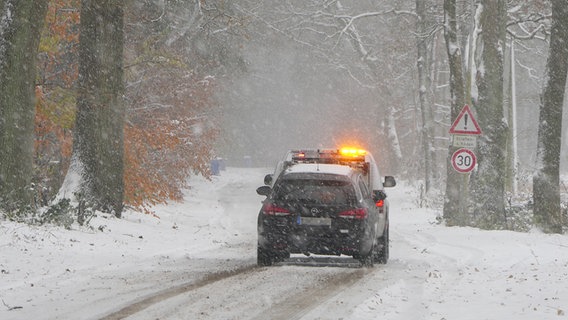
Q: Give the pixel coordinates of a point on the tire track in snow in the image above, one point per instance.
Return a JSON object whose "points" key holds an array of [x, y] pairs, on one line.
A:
{"points": [[165, 294], [298, 305], [292, 307]]}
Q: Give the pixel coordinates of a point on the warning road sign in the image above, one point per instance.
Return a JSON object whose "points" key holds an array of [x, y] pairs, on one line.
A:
{"points": [[465, 123], [463, 160]]}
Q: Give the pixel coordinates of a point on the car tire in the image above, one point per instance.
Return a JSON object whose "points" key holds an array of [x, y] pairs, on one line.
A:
{"points": [[382, 255], [368, 260], [265, 258]]}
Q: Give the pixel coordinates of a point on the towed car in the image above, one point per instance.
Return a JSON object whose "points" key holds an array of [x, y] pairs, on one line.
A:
{"points": [[323, 208]]}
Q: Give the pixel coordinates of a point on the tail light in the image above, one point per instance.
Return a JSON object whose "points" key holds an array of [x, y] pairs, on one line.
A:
{"points": [[270, 209], [359, 214], [381, 206]]}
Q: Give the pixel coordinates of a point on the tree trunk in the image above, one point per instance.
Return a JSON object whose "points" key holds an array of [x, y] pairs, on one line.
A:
{"points": [[424, 82], [99, 133], [20, 25], [546, 181], [488, 190], [456, 188], [513, 159]]}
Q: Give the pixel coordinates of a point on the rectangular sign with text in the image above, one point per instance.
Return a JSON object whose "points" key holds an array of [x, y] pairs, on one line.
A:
{"points": [[464, 141]]}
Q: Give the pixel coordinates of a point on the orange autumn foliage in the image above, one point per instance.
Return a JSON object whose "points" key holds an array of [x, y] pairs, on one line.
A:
{"points": [[168, 136], [52, 149], [59, 45], [163, 145], [160, 160], [47, 131], [55, 97]]}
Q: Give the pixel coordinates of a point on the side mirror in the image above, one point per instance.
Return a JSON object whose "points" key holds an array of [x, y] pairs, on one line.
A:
{"points": [[268, 179], [264, 190], [389, 182]]}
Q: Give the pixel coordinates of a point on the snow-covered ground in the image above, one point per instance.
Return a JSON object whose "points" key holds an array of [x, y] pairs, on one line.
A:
{"points": [[196, 260]]}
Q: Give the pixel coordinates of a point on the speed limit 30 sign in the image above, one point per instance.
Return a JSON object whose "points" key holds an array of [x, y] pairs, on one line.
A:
{"points": [[463, 160]]}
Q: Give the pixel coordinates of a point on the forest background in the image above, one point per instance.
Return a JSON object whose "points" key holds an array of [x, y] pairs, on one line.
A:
{"points": [[246, 80]]}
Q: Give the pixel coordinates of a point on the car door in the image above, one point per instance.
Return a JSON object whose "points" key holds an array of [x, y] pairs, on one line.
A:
{"points": [[367, 198]]}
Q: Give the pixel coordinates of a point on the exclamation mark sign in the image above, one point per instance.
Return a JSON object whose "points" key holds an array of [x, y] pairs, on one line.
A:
{"points": [[465, 126]]}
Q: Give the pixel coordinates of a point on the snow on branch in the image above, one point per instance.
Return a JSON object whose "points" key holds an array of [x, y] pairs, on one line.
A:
{"points": [[528, 34]]}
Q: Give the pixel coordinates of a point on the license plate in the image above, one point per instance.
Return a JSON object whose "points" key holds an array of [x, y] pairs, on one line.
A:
{"points": [[308, 221]]}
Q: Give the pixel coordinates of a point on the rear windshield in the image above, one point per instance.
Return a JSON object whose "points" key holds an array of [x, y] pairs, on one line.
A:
{"points": [[315, 191]]}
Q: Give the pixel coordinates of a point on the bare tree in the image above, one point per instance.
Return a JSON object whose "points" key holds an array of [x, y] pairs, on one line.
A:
{"points": [[352, 40], [546, 181], [426, 28], [20, 25]]}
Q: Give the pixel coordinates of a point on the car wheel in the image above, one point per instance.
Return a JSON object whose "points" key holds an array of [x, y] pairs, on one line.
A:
{"points": [[383, 249], [265, 257], [368, 260]]}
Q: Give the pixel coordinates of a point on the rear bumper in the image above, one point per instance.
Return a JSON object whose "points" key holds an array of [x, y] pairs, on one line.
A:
{"points": [[282, 234]]}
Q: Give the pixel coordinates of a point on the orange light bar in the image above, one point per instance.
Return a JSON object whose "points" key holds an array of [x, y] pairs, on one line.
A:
{"points": [[352, 152]]}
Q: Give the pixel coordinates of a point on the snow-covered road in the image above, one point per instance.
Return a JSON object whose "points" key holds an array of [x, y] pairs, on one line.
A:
{"points": [[197, 261]]}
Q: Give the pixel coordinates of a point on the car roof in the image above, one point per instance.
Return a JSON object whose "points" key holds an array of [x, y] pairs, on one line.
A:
{"points": [[319, 168]]}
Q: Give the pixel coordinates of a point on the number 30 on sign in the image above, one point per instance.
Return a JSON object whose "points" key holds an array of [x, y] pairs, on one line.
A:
{"points": [[463, 160]]}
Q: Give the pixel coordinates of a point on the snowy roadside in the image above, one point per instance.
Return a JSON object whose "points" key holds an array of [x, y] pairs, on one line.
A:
{"points": [[47, 271]]}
